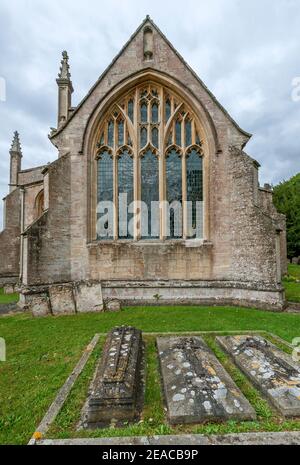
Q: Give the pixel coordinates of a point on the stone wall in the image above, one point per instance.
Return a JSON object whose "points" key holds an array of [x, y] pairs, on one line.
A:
{"points": [[30, 176], [241, 223], [10, 239], [30, 207], [49, 237]]}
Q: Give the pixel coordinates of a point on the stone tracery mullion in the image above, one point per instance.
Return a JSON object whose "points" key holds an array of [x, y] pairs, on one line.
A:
{"points": [[166, 128]]}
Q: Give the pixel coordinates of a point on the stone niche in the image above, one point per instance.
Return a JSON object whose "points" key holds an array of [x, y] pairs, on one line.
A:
{"points": [[272, 371], [116, 392], [196, 386]]}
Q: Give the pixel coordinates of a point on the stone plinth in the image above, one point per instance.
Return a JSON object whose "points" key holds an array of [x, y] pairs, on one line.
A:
{"points": [[273, 372], [116, 391], [196, 386]]}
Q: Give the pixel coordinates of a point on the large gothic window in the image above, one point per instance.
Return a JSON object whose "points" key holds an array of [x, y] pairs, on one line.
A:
{"points": [[149, 168]]}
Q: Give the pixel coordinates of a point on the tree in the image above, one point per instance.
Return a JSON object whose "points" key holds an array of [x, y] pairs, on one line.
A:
{"points": [[287, 201]]}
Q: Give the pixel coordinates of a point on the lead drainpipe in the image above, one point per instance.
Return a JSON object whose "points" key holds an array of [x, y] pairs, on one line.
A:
{"points": [[22, 190]]}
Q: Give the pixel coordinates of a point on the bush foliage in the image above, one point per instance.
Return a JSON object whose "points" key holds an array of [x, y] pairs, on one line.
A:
{"points": [[287, 201]]}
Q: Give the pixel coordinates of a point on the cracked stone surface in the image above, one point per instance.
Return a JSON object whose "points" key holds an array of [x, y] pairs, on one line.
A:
{"points": [[272, 371], [116, 390], [196, 386]]}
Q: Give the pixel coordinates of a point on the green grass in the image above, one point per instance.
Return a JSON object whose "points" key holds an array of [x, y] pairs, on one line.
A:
{"points": [[292, 283], [41, 353], [8, 298]]}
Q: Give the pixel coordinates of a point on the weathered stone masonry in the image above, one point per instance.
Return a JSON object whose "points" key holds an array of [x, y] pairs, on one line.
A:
{"points": [[239, 261]]}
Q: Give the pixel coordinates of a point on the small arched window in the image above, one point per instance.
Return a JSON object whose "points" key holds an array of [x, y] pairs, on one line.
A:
{"points": [[150, 167], [39, 204]]}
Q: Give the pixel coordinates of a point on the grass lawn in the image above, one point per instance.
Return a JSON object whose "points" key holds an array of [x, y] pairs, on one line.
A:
{"points": [[41, 353], [292, 283], [8, 298]]}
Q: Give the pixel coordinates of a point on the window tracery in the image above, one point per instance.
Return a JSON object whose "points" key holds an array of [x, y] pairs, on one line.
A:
{"points": [[149, 150]]}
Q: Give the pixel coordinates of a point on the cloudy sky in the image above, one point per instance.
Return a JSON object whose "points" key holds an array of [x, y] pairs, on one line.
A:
{"points": [[246, 51]]}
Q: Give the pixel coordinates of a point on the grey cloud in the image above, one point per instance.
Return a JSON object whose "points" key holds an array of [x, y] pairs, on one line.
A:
{"points": [[246, 52]]}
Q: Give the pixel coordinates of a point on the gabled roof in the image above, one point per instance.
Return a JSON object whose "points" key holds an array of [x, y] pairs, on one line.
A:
{"points": [[148, 20]]}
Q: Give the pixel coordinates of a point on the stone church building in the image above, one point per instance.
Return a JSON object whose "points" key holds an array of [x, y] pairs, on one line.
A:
{"points": [[96, 227]]}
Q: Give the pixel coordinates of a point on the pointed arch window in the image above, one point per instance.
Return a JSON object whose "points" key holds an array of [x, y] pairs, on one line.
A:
{"points": [[105, 197], [149, 154], [125, 195], [150, 195], [174, 225]]}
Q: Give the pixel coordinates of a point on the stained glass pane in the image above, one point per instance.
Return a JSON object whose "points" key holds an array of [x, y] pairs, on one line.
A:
{"points": [[121, 133], [170, 139], [195, 194], [102, 139], [111, 133], [144, 136], [174, 195], [105, 194], [178, 133], [188, 133], [155, 137], [144, 113], [150, 196], [198, 141], [155, 113], [130, 110], [125, 192], [168, 110]]}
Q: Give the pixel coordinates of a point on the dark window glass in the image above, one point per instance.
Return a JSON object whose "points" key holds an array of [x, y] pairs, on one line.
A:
{"points": [[155, 137], [149, 194], [121, 133], [111, 133], [168, 110], [194, 193], [144, 137], [155, 113], [105, 188], [102, 140], [178, 133], [174, 193], [188, 133], [144, 113], [125, 191], [170, 139], [130, 110]]}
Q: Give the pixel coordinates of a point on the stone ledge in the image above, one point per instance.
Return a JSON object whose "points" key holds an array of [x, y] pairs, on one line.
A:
{"points": [[283, 438], [255, 286]]}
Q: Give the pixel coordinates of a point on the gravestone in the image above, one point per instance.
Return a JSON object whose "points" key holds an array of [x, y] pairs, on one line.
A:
{"points": [[272, 371], [116, 392], [196, 386]]}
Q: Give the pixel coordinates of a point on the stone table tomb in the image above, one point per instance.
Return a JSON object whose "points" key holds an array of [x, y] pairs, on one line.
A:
{"points": [[196, 386], [272, 371], [115, 395]]}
